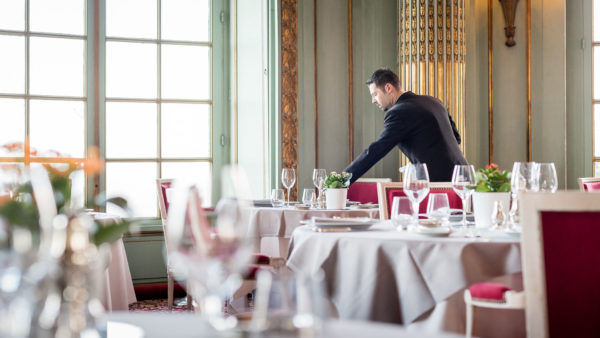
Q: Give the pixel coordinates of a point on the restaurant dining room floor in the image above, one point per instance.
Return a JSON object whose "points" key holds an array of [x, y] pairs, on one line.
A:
{"points": [[157, 305]]}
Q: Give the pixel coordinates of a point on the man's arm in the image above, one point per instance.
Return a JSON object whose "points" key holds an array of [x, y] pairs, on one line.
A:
{"points": [[387, 140], [454, 130]]}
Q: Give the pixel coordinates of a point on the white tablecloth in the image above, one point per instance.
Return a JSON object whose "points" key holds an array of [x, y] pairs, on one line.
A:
{"points": [[117, 291], [271, 228], [192, 325], [390, 276]]}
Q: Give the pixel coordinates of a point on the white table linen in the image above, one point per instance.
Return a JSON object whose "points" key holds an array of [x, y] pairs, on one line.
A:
{"points": [[192, 325], [271, 228], [391, 276]]}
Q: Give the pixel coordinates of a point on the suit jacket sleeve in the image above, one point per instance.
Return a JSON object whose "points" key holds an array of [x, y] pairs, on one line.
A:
{"points": [[454, 130], [395, 129]]}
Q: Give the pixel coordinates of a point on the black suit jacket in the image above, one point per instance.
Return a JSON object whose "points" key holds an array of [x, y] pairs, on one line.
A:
{"points": [[422, 128]]}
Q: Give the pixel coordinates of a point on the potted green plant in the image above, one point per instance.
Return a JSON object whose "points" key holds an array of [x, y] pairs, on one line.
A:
{"points": [[493, 185], [336, 189]]}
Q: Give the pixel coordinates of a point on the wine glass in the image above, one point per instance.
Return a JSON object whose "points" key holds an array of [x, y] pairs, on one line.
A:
{"points": [[416, 185], [288, 178], [319, 176], [547, 177], [525, 177], [402, 212], [463, 183]]}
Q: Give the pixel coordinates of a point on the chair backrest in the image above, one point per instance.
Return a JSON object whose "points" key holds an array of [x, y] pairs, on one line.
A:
{"points": [[162, 184], [589, 183], [561, 257], [387, 191], [364, 190]]}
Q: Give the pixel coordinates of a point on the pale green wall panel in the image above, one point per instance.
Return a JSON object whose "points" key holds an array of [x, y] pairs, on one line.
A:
{"points": [[332, 82], [374, 45]]}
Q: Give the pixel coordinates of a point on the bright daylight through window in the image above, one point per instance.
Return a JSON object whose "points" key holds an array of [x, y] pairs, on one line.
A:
{"points": [[155, 79]]}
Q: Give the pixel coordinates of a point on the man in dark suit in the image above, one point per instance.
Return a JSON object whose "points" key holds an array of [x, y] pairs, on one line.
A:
{"points": [[418, 124]]}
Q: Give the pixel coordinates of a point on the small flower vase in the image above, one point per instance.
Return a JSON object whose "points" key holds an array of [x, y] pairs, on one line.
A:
{"points": [[483, 206], [336, 198]]}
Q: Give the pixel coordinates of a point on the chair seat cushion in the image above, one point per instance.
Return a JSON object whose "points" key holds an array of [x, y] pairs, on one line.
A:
{"points": [[261, 259], [488, 291], [592, 186]]}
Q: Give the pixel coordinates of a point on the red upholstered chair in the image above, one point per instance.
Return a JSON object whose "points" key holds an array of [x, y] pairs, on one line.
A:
{"points": [[364, 190], [591, 184], [387, 191], [560, 255]]}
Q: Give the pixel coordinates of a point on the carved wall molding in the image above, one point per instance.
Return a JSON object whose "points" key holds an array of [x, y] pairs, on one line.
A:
{"points": [[289, 88]]}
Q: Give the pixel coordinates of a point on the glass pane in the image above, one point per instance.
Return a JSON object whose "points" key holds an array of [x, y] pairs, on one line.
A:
{"points": [[185, 20], [185, 130], [596, 67], [57, 126], [596, 130], [136, 182], [12, 64], [56, 66], [198, 173], [596, 20], [12, 15], [131, 18], [596, 169], [185, 72], [130, 70], [12, 127], [57, 16], [131, 130]]}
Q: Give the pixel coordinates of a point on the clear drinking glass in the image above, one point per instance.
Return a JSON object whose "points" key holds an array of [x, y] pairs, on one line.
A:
{"points": [[547, 177], [416, 185], [438, 207], [288, 178], [307, 196], [277, 198], [525, 177], [463, 183], [402, 212], [319, 176]]}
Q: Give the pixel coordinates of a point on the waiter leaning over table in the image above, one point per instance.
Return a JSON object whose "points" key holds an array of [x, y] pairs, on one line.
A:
{"points": [[418, 124]]}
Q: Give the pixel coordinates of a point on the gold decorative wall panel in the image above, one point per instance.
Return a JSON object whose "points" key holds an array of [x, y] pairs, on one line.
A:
{"points": [[431, 53], [289, 88]]}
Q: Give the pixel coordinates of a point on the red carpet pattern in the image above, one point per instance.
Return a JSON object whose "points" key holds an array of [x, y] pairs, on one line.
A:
{"points": [[155, 305]]}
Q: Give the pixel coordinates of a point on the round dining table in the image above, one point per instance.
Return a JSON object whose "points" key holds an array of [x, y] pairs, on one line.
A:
{"points": [[406, 277], [271, 228]]}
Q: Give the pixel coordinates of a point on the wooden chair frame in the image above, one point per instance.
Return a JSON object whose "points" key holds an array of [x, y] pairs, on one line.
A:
{"points": [[583, 180], [534, 277]]}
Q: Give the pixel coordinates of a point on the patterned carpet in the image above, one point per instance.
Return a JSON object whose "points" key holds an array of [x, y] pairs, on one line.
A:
{"points": [[156, 305]]}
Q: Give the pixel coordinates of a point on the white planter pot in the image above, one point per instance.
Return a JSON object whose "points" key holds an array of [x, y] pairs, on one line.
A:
{"points": [[336, 198], [483, 205]]}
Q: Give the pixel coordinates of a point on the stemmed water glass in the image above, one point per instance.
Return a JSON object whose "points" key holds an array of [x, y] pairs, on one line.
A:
{"points": [[416, 185], [463, 183], [319, 175], [288, 178], [525, 177]]}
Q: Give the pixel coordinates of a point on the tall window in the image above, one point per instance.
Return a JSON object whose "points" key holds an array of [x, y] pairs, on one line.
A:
{"points": [[42, 78], [155, 62], [158, 97]]}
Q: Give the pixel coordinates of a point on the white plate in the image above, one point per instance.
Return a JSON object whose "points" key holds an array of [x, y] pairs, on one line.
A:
{"points": [[434, 232], [355, 224], [515, 234]]}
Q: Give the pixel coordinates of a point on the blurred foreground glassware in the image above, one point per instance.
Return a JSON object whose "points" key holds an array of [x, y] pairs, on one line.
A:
{"points": [[463, 183], [212, 259], [289, 304], [416, 186], [548, 181], [402, 212]]}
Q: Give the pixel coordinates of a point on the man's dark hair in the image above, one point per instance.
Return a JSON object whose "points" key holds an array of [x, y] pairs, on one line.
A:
{"points": [[382, 76]]}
